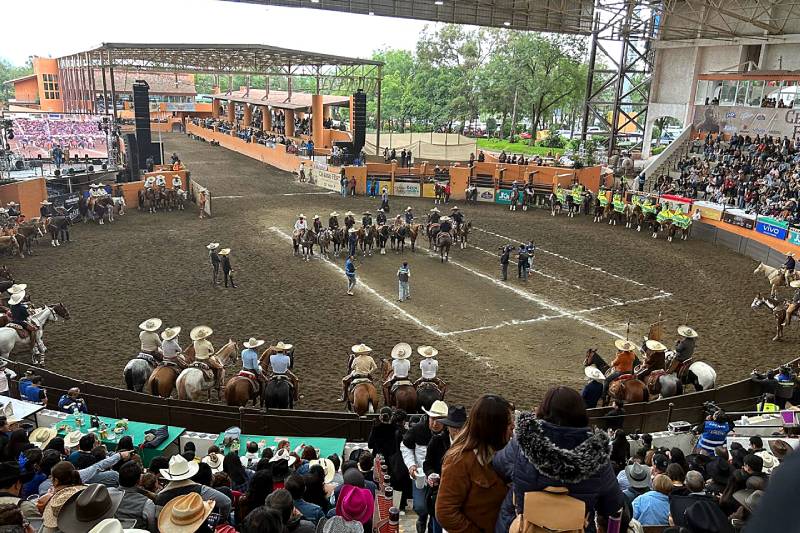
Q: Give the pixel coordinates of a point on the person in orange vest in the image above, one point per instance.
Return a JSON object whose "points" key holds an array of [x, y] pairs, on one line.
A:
{"points": [[622, 363]]}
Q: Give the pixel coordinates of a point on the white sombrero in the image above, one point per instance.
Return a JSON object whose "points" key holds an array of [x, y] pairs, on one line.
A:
{"points": [[408, 208], [655, 346], [224, 251], [170, 333], [45, 202], [214, 461], [360, 348], [334, 214], [253, 343], [316, 217], [401, 350], [42, 436], [200, 332], [352, 230], [794, 284], [283, 346], [73, 438], [151, 324], [427, 351], [349, 214], [301, 215], [212, 245], [592, 372], [686, 331], [436, 209], [624, 345], [327, 465], [19, 287], [16, 298]]}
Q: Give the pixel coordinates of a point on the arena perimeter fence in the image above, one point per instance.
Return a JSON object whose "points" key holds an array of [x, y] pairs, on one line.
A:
{"points": [[204, 417]]}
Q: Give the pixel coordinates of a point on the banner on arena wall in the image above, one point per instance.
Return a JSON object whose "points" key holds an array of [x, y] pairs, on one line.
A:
{"points": [[405, 188], [737, 217], [794, 237], [732, 120], [428, 190], [486, 194], [325, 179], [503, 196], [69, 202], [709, 210], [675, 202], [180, 106], [772, 227]]}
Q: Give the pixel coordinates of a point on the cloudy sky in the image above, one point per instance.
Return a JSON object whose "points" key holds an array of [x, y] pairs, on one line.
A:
{"points": [[55, 28]]}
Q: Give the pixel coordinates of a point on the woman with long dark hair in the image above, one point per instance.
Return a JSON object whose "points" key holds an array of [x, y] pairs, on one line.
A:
{"points": [[555, 447], [17, 443], [470, 491], [240, 476], [315, 488], [256, 495]]}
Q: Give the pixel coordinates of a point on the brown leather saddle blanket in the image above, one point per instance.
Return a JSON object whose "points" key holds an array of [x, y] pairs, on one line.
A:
{"points": [[401, 383], [252, 380], [208, 373], [358, 381], [21, 331]]}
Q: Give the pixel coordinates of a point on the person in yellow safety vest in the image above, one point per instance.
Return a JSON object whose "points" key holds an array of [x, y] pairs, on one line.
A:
{"points": [[577, 193], [648, 207], [664, 215], [680, 219], [560, 195], [602, 197], [619, 205]]}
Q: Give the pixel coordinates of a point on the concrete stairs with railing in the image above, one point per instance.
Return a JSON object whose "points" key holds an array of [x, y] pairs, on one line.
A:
{"points": [[667, 161]]}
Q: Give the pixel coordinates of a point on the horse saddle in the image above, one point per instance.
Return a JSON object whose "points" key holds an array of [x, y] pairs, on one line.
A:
{"points": [[358, 381], [208, 372], [427, 384], [149, 358], [401, 383], [252, 380], [282, 377], [21, 330], [625, 377]]}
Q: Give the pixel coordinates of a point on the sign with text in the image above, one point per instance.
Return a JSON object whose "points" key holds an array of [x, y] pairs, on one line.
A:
{"points": [[325, 179], [772, 227], [486, 194], [503, 196], [405, 188], [794, 237], [739, 218], [709, 210], [731, 120]]}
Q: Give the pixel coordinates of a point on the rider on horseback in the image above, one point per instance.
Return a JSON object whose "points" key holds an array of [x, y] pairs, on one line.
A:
{"points": [[333, 221], [366, 219], [280, 362], [457, 216], [398, 221], [171, 349], [409, 215], [204, 350], [349, 220], [788, 268], [622, 363], [317, 225], [429, 366], [684, 347], [301, 225], [360, 364], [177, 183], [250, 361], [381, 217], [161, 181], [20, 315], [445, 225], [794, 304], [654, 359], [433, 217], [149, 339], [400, 368]]}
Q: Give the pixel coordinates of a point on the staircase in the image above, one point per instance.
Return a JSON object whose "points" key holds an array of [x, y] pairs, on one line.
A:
{"points": [[667, 161]]}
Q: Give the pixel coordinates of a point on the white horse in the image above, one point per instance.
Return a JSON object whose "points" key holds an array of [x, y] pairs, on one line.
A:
{"points": [[191, 383], [700, 375], [119, 206], [775, 276], [10, 340]]}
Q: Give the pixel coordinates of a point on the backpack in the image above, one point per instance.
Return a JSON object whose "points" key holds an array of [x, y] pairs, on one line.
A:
{"points": [[549, 511]]}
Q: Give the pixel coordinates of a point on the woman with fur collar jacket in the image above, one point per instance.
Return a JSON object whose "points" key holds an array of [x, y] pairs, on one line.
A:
{"points": [[555, 447]]}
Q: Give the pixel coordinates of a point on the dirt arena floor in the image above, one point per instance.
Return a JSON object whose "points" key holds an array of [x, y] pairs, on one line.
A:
{"points": [[512, 338]]}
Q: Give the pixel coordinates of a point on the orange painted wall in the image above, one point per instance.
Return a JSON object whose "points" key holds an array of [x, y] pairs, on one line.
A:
{"points": [[459, 180], [29, 194], [46, 65], [131, 189], [27, 90], [277, 157]]}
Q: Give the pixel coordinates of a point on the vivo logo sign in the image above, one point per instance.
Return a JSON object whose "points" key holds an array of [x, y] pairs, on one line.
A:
{"points": [[772, 231]]}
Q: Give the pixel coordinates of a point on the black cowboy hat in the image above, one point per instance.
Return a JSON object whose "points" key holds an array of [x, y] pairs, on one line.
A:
{"points": [[719, 471], [456, 417]]}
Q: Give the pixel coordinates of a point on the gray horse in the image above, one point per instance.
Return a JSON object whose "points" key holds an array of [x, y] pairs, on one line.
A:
{"points": [[138, 370]]}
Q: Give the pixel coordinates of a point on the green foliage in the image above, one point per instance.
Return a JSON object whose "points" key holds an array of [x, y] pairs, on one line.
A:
{"points": [[552, 141], [491, 125], [498, 145], [10, 72]]}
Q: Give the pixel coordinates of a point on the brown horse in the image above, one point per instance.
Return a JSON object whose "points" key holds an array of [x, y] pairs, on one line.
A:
{"points": [[363, 398], [239, 390], [630, 390], [413, 233], [404, 396], [162, 380]]}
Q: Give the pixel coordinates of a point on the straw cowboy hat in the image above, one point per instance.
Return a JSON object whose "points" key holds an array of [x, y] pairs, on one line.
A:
{"points": [[42, 436], [72, 439], [283, 455], [402, 350], [212, 245], [224, 251], [427, 351], [283, 346], [769, 460], [16, 298], [179, 468], [214, 460], [686, 331], [454, 208], [200, 332], [327, 465], [380, 210], [367, 213], [435, 209], [170, 333], [18, 287], [334, 214], [349, 214], [592, 372], [113, 525], [794, 284], [655, 346], [301, 215], [408, 209], [151, 324], [624, 346], [438, 410], [790, 254], [352, 230], [184, 514], [88, 508], [253, 343], [54, 506], [360, 348], [316, 217], [8, 412]]}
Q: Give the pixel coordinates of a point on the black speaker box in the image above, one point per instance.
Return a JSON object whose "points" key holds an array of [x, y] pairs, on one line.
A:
{"points": [[359, 120], [141, 114], [132, 151]]}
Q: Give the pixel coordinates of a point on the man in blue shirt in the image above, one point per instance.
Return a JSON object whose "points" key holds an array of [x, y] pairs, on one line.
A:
{"points": [[350, 272], [593, 390], [30, 389], [250, 361], [280, 363], [71, 402]]}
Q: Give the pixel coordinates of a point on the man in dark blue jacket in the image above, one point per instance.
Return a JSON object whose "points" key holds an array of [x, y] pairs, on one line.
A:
{"points": [[593, 390]]}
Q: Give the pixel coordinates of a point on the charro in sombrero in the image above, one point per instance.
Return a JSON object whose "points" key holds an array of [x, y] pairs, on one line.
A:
{"points": [[434, 210], [686, 331], [624, 345], [224, 251], [253, 343], [427, 351], [170, 333], [283, 346], [349, 214], [352, 230], [401, 350], [360, 348], [212, 245], [16, 298], [200, 332], [334, 214], [151, 324], [408, 209], [655, 346]]}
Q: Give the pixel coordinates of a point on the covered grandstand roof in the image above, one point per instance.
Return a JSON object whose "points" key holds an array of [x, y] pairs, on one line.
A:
{"points": [[159, 82], [280, 99]]}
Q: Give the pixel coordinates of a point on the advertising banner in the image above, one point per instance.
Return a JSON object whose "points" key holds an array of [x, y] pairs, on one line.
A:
{"points": [[180, 106], [325, 179], [737, 217], [772, 227], [428, 190], [752, 121], [794, 236], [405, 188], [503, 196], [486, 194], [709, 210], [675, 202]]}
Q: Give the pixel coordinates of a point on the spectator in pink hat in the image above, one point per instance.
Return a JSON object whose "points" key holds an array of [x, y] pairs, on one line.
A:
{"points": [[355, 503]]}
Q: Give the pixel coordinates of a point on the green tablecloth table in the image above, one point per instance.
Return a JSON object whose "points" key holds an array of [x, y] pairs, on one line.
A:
{"points": [[327, 446], [135, 431]]}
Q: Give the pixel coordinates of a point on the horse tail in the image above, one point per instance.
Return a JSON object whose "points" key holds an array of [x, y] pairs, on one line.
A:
{"points": [[128, 375], [154, 386]]}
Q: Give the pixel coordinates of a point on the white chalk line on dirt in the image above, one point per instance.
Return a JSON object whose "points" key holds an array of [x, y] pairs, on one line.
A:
{"points": [[532, 297], [307, 193], [565, 258], [226, 197], [389, 303]]}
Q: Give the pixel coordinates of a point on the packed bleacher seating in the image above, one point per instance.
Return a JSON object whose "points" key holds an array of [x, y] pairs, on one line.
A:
{"points": [[37, 136]]}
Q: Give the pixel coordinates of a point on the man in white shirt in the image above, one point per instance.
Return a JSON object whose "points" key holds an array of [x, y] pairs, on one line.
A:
{"points": [[5, 374], [400, 368], [149, 339], [429, 366], [301, 225], [170, 348]]}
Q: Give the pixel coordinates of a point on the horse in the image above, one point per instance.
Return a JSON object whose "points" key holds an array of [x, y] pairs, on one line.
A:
{"points": [[303, 242], [698, 374], [527, 198], [278, 393], [180, 199], [362, 397], [245, 387], [661, 384], [10, 244], [593, 359], [162, 380], [778, 309], [413, 233], [339, 241], [192, 382], [432, 230], [398, 236], [383, 238], [118, 203], [625, 388], [366, 239], [31, 231], [463, 234], [143, 201], [443, 242], [402, 394], [635, 216], [10, 340], [23, 243], [324, 241], [599, 211], [170, 198], [438, 193], [137, 372], [427, 393], [152, 197], [655, 225], [555, 204], [104, 208], [775, 276], [572, 207], [58, 227]]}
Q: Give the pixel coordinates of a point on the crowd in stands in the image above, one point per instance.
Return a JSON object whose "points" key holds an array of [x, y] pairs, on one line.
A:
{"points": [[521, 160], [765, 102], [404, 158], [254, 134], [37, 136], [758, 174]]}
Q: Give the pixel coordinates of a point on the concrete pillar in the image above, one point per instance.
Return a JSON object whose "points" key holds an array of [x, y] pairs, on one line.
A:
{"points": [[231, 113], [248, 115], [266, 124], [214, 108], [316, 119], [288, 114]]}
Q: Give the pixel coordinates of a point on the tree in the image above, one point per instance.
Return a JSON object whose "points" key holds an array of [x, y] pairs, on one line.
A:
{"points": [[10, 72]]}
